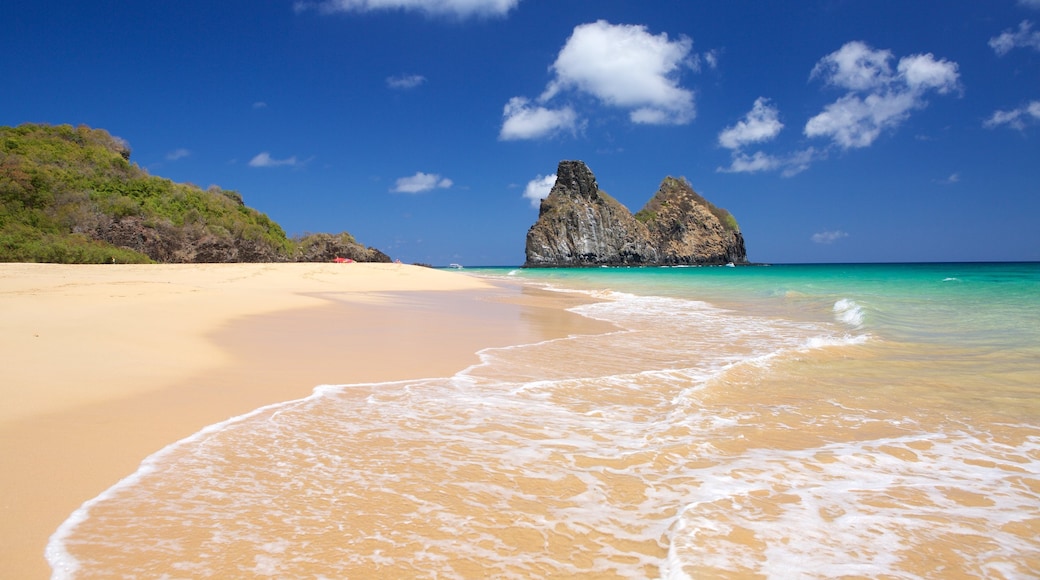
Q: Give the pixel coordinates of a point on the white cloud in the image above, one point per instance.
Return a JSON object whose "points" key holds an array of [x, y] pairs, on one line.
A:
{"points": [[744, 163], [1030, 3], [1015, 118], [762, 123], [856, 67], [625, 66], [421, 182], [526, 121], [877, 98], [854, 121], [259, 105], [799, 161], [456, 8], [922, 72], [789, 165], [177, 154], [264, 159], [538, 188], [405, 82], [1024, 37], [829, 237]]}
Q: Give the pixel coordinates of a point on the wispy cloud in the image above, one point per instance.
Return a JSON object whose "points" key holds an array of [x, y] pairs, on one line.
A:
{"points": [[454, 8], [177, 154], [405, 82], [829, 237], [619, 65], [757, 161], [1010, 39], [1015, 118], [878, 98], [711, 58], [788, 165], [950, 179], [259, 105], [421, 182], [264, 159], [538, 188], [525, 120]]}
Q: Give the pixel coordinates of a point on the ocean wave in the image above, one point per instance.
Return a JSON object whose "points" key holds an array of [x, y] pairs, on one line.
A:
{"points": [[848, 312]]}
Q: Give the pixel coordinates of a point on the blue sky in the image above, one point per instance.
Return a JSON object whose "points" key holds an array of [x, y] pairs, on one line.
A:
{"points": [[834, 130]]}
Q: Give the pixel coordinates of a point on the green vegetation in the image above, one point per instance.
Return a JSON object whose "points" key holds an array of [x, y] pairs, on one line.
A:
{"points": [[70, 194]]}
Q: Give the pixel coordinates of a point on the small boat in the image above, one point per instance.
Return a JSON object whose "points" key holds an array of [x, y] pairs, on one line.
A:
{"points": [[456, 266], [731, 265]]}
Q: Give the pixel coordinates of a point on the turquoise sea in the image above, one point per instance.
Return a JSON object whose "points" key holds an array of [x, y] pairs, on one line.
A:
{"points": [[784, 421]]}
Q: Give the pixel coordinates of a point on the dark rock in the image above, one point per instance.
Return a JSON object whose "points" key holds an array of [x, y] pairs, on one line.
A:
{"points": [[579, 225]]}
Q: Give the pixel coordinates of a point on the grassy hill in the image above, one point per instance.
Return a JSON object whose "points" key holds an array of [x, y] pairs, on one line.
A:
{"points": [[71, 195]]}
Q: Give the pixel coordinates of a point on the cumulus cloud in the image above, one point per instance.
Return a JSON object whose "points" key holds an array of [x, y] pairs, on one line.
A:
{"points": [[405, 82], [762, 123], [525, 120], [878, 97], [855, 66], [1015, 118], [619, 65], [829, 237], [421, 182], [625, 66], [264, 159], [455, 8], [538, 188], [177, 154], [1024, 37]]}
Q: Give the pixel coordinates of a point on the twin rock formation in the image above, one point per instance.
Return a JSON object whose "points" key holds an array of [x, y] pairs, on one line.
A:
{"points": [[579, 226]]}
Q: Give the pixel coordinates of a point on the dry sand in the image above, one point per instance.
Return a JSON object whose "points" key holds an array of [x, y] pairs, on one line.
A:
{"points": [[103, 365]]}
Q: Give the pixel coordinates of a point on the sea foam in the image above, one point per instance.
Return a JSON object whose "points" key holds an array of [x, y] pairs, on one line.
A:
{"points": [[849, 312]]}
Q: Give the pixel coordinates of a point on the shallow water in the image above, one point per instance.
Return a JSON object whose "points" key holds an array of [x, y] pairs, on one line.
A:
{"points": [[786, 421]]}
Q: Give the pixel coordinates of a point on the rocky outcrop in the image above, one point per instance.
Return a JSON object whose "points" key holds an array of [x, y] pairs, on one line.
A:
{"points": [[580, 225], [166, 243], [328, 247], [687, 229]]}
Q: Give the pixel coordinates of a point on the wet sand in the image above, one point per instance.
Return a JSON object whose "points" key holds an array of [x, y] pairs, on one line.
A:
{"points": [[104, 365]]}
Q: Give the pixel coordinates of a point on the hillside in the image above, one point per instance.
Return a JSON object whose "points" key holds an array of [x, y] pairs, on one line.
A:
{"points": [[71, 195]]}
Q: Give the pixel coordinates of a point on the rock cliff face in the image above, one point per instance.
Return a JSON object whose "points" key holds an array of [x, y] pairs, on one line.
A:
{"points": [[579, 225]]}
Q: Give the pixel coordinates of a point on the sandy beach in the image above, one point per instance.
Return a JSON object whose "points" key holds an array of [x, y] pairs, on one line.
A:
{"points": [[104, 365]]}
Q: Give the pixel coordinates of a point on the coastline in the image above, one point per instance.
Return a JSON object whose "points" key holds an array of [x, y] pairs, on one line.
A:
{"points": [[112, 363]]}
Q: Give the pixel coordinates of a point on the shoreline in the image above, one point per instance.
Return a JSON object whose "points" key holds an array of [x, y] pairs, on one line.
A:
{"points": [[263, 334]]}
